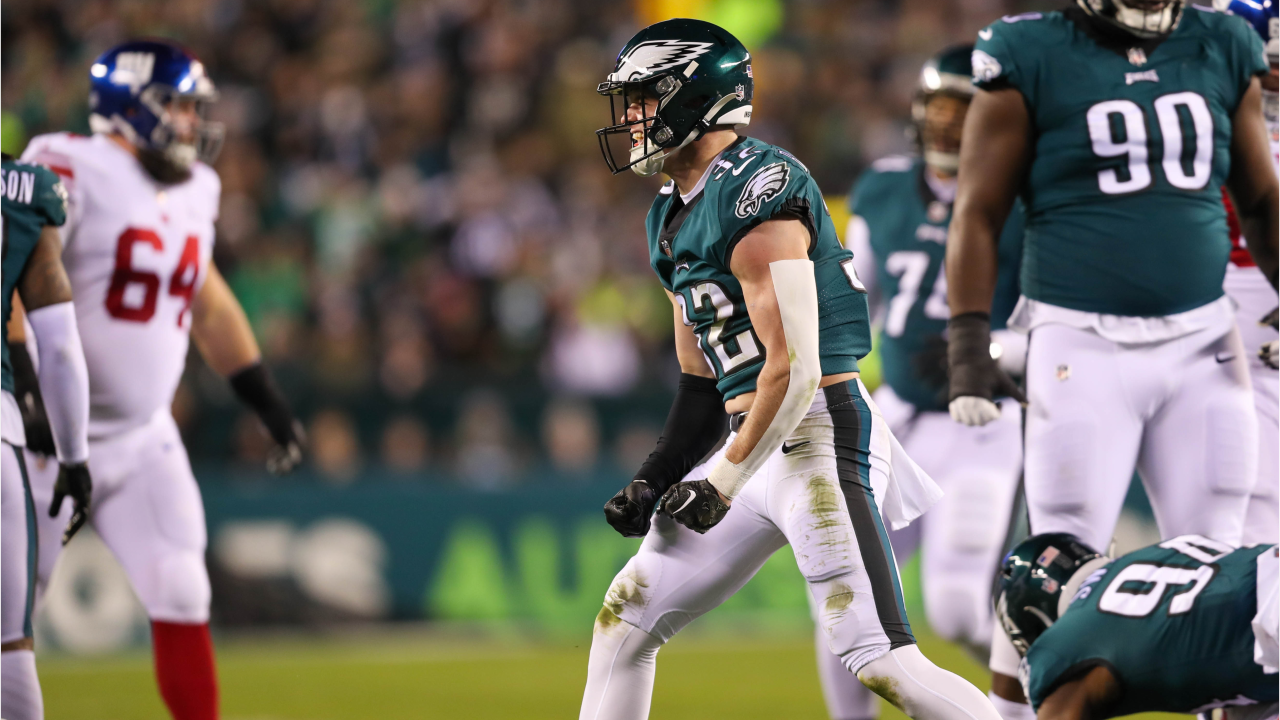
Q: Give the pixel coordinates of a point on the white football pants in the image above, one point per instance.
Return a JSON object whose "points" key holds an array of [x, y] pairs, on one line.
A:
{"points": [[960, 538], [147, 509], [17, 546], [1180, 411], [1254, 298], [818, 498]]}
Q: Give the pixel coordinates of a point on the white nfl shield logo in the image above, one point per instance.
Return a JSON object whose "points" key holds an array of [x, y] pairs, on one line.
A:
{"points": [[1137, 56]]}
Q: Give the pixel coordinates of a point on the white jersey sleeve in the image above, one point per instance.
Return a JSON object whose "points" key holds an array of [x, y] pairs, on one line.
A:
{"points": [[50, 151], [137, 253]]}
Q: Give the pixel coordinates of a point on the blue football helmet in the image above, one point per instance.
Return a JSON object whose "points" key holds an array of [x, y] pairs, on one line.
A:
{"points": [[1261, 14], [131, 90]]}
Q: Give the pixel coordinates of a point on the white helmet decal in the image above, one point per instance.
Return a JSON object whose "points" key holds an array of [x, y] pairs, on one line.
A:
{"points": [[650, 57]]}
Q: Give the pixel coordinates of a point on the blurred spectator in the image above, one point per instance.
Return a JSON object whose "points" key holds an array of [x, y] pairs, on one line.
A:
{"points": [[485, 445], [406, 444], [335, 449], [571, 434], [413, 199], [633, 446]]}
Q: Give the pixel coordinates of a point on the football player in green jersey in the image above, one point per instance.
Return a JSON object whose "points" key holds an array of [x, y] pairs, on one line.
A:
{"points": [[1184, 626], [34, 206], [1117, 121], [900, 208], [770, 320]]}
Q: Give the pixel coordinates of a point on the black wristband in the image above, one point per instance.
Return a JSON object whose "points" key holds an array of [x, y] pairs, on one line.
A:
{"points": [[969, 363], [255, 387], [696, 423]]}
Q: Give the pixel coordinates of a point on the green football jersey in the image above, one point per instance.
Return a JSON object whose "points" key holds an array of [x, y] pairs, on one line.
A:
{"points": [[1131, 147], [907, 228], [1171, 621], [691, 246], [33, 198]]}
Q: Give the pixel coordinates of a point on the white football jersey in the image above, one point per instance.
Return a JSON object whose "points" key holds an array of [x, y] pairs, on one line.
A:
{"points": [[136, 252]]}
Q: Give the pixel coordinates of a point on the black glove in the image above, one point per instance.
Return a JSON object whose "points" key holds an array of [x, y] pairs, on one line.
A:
{"points": [[73, 481], [1270, 351], [971, 370], [695, 505], [630, 511], [286, 454], [255, 387], [26, 390]]}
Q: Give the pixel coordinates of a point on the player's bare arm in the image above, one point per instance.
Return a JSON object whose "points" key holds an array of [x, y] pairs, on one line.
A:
{"points": [[44, 281], [768, 243], [1253, 184], [220, 329], [45, 291], [994, 153], [1084, 698], [993, 159], [222, 333]]}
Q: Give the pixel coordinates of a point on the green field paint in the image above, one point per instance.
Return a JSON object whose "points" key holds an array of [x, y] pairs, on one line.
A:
{"points": [[471, 583]]}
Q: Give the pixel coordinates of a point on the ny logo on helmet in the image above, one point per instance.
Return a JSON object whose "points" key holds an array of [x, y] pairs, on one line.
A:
{"points": [[654, 56], [133, 69]]}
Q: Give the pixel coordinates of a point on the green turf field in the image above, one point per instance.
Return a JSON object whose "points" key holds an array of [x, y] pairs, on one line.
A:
{"points": [[427, 674]]}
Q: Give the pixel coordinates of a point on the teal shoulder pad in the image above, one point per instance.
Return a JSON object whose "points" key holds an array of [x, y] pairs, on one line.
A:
{"points": [[1241, 47], [756, 182], [35, 189], [1007, 50]]}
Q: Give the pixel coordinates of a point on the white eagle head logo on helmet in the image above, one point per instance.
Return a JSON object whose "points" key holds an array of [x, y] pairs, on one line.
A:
{"points": [[655, 56], [767, 183]]}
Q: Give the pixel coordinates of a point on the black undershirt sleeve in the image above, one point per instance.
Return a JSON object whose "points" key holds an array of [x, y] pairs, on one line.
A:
{"points": [[696, 423]]}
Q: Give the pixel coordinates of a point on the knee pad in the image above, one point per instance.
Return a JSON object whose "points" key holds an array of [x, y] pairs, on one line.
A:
{"points": [[178, 589]]}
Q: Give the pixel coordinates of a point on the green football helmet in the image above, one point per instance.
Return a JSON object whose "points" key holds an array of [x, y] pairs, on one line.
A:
{"points": [[950, 72], [1144, 19], [1037, 581], [700, 76]]}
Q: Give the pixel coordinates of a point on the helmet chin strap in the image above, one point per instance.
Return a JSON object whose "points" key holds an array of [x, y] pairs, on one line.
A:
{"points": [[651, 165]]}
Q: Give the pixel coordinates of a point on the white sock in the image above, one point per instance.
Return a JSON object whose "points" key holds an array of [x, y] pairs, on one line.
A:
{"points": [[20, 697], [1010, 710], [922, 690], [847, 698], [620, 671]]}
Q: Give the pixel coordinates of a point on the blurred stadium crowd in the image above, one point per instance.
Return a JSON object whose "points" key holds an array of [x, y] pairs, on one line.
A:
{"points": [[443, 274]]}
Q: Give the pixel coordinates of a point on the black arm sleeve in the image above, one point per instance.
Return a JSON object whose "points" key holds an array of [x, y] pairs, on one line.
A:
{"points": [[255, 387], [697, 422], [26, 390]]}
